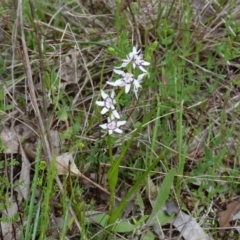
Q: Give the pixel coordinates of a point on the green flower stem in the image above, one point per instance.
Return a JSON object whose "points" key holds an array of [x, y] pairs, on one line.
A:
{"points": [[109, 142]]}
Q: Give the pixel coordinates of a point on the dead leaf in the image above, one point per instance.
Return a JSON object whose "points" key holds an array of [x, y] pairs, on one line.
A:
{"points": [[86, 184], [236, 216], [152, 189], [189, 228], [30, 150], [129, 207], [7, 228], [56, 225], [10, 140], [24, 179], [69, 71], [69, 75], [225, 217], [26, 131], [30, 147], [171, 207], [55, 141], [63, 162], [203, 9]]}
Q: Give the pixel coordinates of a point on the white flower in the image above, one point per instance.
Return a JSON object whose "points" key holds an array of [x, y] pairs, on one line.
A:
{"points": [[140, 63], [112, 125], [135, 89], [137, 60], [125, 81], [125, 62], [134, 53], [108, 103]]}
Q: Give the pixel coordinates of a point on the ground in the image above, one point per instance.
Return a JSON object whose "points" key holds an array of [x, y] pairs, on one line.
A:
{"points": [[158, 158]]}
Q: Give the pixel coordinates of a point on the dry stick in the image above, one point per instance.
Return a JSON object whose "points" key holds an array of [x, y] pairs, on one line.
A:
{"points": [[41, 65], [79, 174], [34, 101]]}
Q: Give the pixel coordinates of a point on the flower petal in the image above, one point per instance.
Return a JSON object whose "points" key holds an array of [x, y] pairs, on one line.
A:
{"points": [[127, 88], [104, 110], [112, 107], [142, 69], [119, 72], [136, 84], [136, 93], [115, 114], [110, 132], [118, 130], [140, 77], [118, 83], [100, 103], [112, 84], [103, 126], [145, 63], [112, 94], [119, 67], [104, 95], [120, 123], [134, 52], [126, 62], [131, 55]]}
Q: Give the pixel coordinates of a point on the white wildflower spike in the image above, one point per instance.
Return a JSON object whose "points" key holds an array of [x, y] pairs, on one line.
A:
{"points": [[125, 81], [113, 125], [108, 104]]}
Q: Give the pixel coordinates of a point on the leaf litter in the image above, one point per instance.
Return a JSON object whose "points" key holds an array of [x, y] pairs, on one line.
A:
{"points": [[8, 231], [24, 178], [10, 140], [227, 216]]}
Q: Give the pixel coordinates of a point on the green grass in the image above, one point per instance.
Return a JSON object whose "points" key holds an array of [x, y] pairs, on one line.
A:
{"points": [[181, 140]]}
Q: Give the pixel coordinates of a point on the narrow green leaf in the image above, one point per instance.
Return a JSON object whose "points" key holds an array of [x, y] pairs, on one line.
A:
{"points": [[162, 194], [113, 177], [122, 226], [115, 214]]}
